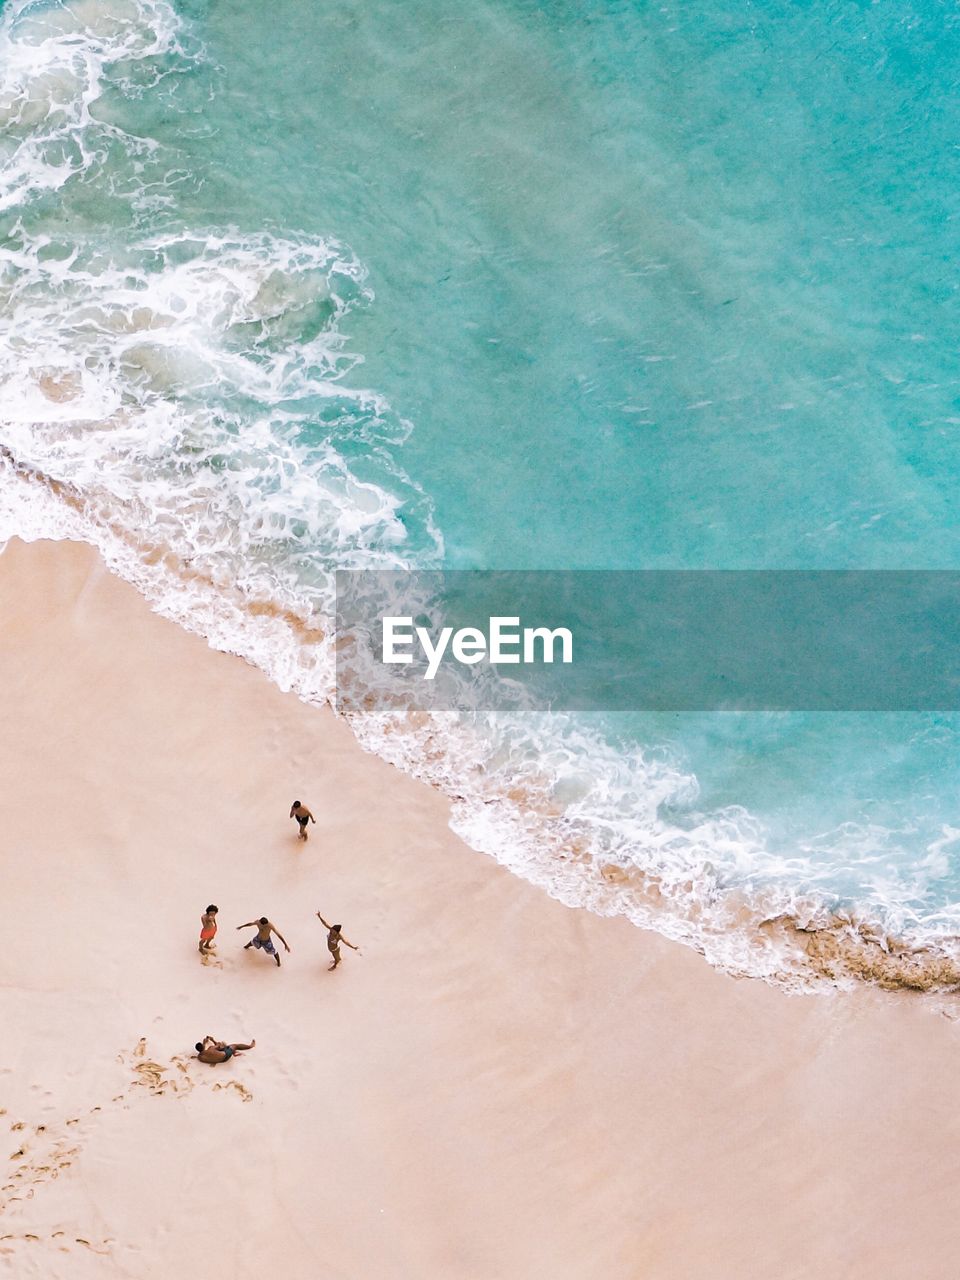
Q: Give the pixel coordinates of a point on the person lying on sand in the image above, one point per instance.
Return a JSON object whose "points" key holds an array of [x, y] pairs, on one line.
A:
{"points": [[216, 1051], [208, 929], [262, 941], [303, 816], [334, 938]]}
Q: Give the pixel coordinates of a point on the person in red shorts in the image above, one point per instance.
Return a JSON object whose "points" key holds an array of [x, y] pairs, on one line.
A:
{"points": [[208, 930]]}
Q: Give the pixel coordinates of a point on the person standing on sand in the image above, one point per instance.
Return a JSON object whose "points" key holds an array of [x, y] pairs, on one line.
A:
{"points": [[216, 1051], [334, 938], [208, 930], [303, 816], [262, 941]]}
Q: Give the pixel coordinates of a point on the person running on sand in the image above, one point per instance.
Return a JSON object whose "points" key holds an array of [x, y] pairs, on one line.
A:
{"points": [[334, 938], [216, 1051], [303, 816], [208, 930], [262, 941]]}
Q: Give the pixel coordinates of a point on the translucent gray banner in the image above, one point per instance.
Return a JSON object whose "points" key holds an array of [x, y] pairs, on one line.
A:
{"points": [[752, 640]]}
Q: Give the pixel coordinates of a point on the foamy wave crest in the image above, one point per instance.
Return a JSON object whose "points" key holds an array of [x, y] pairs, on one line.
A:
{"points": [[188, 388], [591, 823], [54, 61]]}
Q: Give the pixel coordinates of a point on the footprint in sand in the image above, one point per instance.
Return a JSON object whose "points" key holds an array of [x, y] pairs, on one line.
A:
{"points": [[52, 1148], [49, 1151], [237, 1087], [10, 1239], [104, 1244]]}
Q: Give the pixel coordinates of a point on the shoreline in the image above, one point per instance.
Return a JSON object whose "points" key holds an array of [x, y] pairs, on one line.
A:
{"points": [[499, 1087], [799, 947]]}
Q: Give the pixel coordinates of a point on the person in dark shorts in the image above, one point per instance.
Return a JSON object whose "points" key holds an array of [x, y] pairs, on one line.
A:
{"points": [[334, 938], [263, 941], [303, 815], [214, 1052]]}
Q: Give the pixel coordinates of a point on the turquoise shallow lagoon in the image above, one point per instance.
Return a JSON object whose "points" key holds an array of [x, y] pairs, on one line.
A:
{"points": [[505, 285]]}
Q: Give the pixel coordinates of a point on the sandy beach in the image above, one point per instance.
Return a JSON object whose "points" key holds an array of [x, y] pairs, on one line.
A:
{"points": [[498, 1088]]}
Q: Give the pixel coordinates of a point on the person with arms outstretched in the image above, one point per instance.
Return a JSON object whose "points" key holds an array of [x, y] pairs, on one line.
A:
{"points": [[334, 938], [263, 941], [303, 815]]}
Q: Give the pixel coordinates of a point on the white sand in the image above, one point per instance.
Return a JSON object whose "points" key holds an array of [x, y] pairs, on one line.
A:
{"points": [[498, 1089]]}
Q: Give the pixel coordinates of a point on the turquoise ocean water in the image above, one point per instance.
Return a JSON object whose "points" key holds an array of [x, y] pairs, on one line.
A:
{"points": [[506, 285]]}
